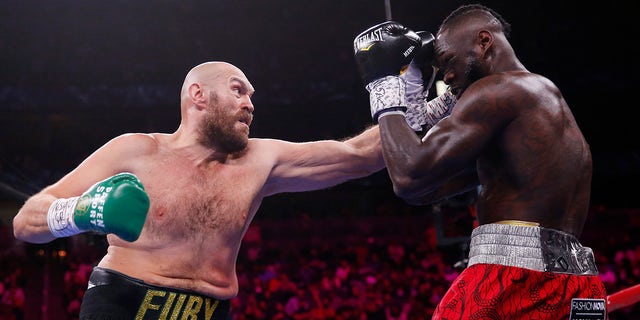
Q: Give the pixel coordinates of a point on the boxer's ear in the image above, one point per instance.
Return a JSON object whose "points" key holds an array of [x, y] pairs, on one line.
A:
{"points": [[484, 41], [197, 94]]}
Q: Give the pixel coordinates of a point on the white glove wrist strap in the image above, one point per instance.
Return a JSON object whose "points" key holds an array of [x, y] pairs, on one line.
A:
{"points": [[386, 113], [386, 94], [421, 115], [413, 77], [439, 108], [60, 218]]}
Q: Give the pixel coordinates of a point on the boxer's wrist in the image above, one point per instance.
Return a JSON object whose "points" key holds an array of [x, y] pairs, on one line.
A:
{"points": [[439, 108], [387, 95], [60, 218], [390, 112]]}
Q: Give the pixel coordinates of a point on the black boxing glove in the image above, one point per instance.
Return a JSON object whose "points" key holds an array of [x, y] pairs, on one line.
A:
{"points": [[383, 53], [424, 60], [419, 78], [421, 114], [420, 74]]}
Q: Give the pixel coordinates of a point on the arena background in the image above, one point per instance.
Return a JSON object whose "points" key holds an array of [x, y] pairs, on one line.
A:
{"points": [[76, 73]]}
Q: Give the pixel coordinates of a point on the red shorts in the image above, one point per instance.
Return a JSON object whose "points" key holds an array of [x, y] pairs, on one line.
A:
{"points": [[488, 291]]}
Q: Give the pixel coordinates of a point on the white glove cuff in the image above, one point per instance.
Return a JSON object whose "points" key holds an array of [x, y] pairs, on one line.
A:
{"points": [[415, 117], [386, 94], [60, 218], [439, 108], [386, 113], [422, 115], [413, 78]]}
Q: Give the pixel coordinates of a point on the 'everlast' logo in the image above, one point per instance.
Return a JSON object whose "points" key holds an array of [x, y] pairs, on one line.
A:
{"points": [[365, 41], [158, 305]]}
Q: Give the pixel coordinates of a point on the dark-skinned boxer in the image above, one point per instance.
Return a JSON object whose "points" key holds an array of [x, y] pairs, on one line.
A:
{"points": [[511, 135]]}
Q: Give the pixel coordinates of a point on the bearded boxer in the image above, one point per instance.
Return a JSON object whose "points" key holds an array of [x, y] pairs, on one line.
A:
{"points": [[175, 206], [512, 135]]}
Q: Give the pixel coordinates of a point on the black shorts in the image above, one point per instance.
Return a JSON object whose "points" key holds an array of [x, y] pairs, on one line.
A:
{"points": [[114, 296]]}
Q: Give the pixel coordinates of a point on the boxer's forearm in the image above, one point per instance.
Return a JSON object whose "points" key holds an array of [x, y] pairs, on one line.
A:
{"points": [[30, 224]]}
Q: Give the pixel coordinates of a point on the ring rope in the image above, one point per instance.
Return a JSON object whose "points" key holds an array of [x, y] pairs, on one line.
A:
{"points": [[623, 298]]}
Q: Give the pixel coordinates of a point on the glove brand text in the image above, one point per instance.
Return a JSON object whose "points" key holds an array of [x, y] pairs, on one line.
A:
{"points": [[365, 41]]}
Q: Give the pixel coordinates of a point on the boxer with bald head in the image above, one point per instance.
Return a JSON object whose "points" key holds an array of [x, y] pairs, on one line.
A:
{"points": [[175, 206], [511, 135]]}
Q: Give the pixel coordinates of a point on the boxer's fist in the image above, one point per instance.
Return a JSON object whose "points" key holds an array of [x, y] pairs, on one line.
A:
{"points": [[419, 78], [382, 53], [117, 205], [385, 49], [420, 74], [424, 59]]}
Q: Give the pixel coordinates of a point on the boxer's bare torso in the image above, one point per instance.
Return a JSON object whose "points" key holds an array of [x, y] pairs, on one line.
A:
{"points": [[202, 202], [200, 210], [205, 182]]}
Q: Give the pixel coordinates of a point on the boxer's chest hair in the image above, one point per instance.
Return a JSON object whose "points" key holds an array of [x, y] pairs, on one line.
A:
{"points": [[200, 203]]}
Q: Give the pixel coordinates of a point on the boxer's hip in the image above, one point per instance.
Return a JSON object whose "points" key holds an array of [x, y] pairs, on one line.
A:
{"points": [[531, 247], [122, 297]]}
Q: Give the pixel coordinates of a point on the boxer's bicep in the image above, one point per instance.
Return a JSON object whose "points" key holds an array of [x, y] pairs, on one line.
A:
{"points": [[120, 154]]}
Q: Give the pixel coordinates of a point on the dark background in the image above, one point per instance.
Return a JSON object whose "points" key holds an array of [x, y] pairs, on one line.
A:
{"points": [[76, 73]]}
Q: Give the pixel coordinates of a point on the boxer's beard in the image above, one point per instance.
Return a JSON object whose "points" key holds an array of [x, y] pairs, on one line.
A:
{"points": [[218, 129], [472, 71]]}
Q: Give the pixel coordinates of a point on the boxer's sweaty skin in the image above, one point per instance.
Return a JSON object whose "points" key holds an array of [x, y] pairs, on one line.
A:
{"points": [[195, 209], [205, 183]]}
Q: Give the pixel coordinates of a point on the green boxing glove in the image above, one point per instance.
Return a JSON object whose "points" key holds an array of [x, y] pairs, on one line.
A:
{"points": [[115, 205]]}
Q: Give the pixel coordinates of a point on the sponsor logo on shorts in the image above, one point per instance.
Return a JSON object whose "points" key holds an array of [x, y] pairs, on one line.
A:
{"points": [[588, 309]]}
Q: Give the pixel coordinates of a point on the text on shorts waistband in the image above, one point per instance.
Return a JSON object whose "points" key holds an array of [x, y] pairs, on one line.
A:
{"points": [[155, 302]]}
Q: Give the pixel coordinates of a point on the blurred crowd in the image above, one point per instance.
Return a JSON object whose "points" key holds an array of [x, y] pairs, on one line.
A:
{"points": [[310, 268], [13, 279], [353, 252]]}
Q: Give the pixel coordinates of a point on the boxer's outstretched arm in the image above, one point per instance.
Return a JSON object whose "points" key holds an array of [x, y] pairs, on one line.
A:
{"points": [[320, 164]]}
